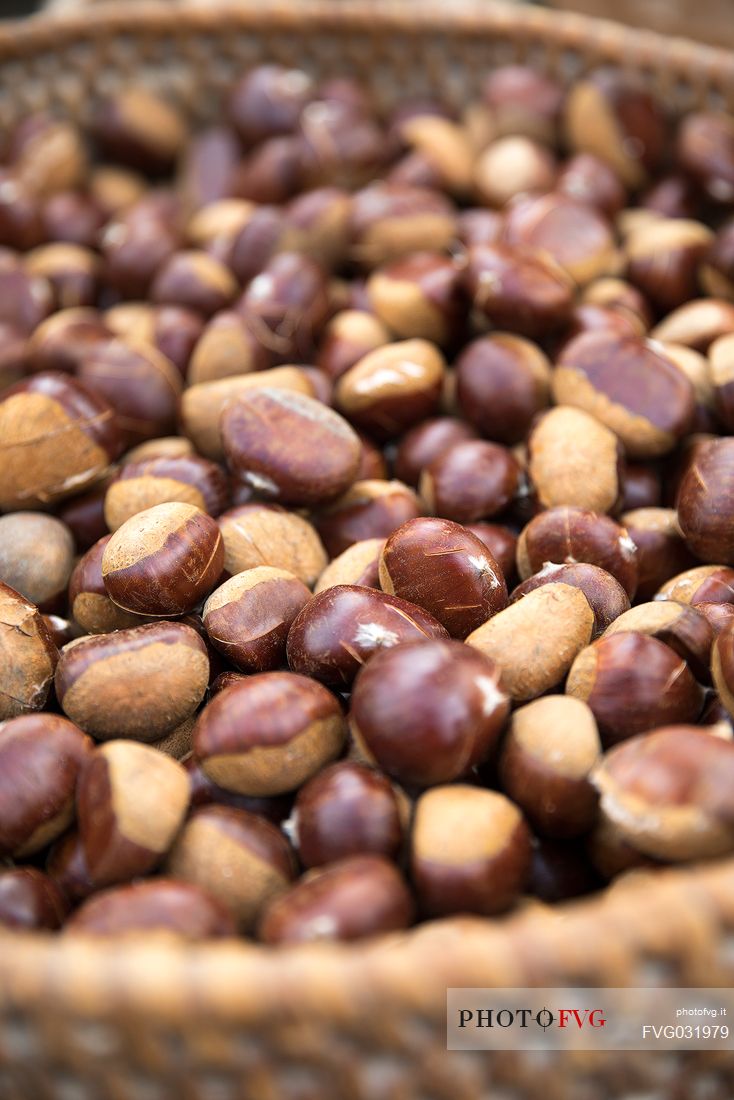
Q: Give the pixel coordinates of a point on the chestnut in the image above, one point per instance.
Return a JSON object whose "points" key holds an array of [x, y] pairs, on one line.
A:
{"points": [[418, 296], [21, 222], [61, 341], [248, 617], [269, 733], [722, 666], [549, 752], [71, 432], [226, 348], [443, 568], [370, 509], [28, 655], [36, 557], [696, 324], [131, 803], [186, 479], [573, 234], [139, 128], [703, 502], [347, 900], [30, 900], [286, 306], [268, 101], [633, 682], [134, 246], [616, 294], [140, 383], [685, 629], [576, 535], [661, 551], [195, 280], [444, 148], [74, 217], [587, 178], [607, 598], [641, 487], [161, 905], [502, 383], [89, 604], [721, 378], [560, 871], [390, 220], [265, 534], [701, 584], [663, 260], [510, 166], [357, 565], [289, 447], [523, 100], [163, 561], [338, 631], [392, 388], [667, 793], [535, 640], [521, 289], [140, 683], [239, 859], [348, 337], [470, 480], [589, 475], [705, 152], [501, 543], [612, 114], [202, 404], [428, 711], [347, 810], [470, 851], [419, 446], [600, 372], [48, 154], [41, 756]]}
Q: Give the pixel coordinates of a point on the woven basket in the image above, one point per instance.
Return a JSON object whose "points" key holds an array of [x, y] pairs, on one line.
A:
{"points": [[156, 1020]]}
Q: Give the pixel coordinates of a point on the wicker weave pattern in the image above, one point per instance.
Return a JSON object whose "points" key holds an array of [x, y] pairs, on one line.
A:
{"points": [[158, 1021]]}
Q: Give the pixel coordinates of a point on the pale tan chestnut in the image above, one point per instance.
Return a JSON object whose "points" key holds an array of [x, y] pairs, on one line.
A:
{"points": [[358, 564], [535, 640], [239, 858], [140, 683], [269, 733], [131, 802], [585, 475], [547, 757], [266, 534], [668, 793], [203, 404], [248, 617], [163, 561], [28, 655]]}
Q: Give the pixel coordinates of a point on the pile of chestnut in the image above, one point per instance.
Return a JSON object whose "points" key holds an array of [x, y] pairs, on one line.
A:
{"points": [[367, 533]]}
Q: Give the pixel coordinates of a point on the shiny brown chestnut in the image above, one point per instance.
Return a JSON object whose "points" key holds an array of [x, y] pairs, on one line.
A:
{"points": [[633, 682], [30, 900], [348, 337], [138, 128], [269, 733], [239, 859], [131, 802], [549, 752], [226, 348], [470, 851], [248, 617], [140, 683], [443, 568], [390, 220], [419, 446], [36, 557], [268, 101], [563, 535], [370, 509], [587, 178], [600, 372], [67, 867], [663, 260], [163, 561], [722, 667], [347, 900], [28, 655], [63, 339], [418, 296], [502, 383], [469, 481], [701, 584], [89, 604], [70, 432], [685, 629], [346, 810], [289, 447], [573, 234], [704, 501], [195, 280], [338, 631], [286, 305], [520, 289], [705, 152], [158, 906], [41, 756], [428, 711]]}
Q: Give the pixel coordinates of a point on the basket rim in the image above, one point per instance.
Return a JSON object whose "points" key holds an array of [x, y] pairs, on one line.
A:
{"points": [[416, 966]]}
